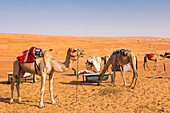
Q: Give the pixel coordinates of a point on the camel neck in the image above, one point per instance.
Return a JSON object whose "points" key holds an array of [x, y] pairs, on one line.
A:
{"points": [[67, 62]]}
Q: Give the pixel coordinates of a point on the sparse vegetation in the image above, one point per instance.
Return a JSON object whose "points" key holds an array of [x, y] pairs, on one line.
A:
{"points": [[109, 92]]}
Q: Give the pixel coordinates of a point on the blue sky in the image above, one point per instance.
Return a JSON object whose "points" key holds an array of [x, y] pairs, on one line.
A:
{"points": [[86, 17]]}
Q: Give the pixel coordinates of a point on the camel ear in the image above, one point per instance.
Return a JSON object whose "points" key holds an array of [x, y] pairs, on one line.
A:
{"points": [[70, 49]]}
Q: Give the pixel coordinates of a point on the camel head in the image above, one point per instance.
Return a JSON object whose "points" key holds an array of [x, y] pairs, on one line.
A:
{"points": [[74, 53], [105, 57]]}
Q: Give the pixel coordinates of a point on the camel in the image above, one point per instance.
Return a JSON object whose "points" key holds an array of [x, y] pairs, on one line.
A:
{"points": [[119, 59], [94, 62], [153, 57], [47, 66]]}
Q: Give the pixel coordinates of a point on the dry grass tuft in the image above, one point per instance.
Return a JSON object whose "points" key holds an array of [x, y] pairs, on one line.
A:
{"points": [[109, 92]]}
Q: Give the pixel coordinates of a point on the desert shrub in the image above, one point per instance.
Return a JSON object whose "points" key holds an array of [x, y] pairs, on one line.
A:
{"points": [[109, 92]]}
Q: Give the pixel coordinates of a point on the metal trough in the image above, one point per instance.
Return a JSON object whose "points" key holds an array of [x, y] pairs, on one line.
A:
{"points": [[94, 77]]}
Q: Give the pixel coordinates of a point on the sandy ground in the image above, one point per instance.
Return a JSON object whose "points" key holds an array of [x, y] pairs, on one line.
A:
{"points": [[152, 93]]}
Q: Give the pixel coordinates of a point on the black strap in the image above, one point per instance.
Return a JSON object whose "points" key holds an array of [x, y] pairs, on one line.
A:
{"points": [[36, 66]]}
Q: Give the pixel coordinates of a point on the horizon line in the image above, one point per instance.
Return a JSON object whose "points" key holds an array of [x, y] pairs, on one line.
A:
{"points": [[83, 35]]}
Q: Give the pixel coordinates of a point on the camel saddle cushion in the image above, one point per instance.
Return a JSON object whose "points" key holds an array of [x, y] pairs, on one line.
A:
{"points": [[30, 55], [150, 55], [122, 51]]}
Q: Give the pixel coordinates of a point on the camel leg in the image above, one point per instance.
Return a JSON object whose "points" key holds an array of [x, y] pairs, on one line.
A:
{"points": [[103, 72], [51, 88], [147, 65], [135, 75], [42, 89], [113, 78], [18, 89], [34, 78], [12, 90], [144, 63], [155, 65], [133, 78], [122, 75], [112, 68]]}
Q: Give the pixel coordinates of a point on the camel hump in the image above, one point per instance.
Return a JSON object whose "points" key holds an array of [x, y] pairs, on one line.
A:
{"points": [[122, 51], [151, 55]]}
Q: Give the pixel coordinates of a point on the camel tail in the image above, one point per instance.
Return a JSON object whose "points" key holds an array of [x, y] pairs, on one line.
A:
{"points": [[136, 63]]}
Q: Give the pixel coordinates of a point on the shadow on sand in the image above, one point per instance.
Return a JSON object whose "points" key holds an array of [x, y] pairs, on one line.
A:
{"points": [[4, 82], [85, 83], [6, 100], [69, 74]]}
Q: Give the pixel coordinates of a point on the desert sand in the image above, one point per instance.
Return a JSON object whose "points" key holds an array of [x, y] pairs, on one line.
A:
{"points": [[151, 94]]}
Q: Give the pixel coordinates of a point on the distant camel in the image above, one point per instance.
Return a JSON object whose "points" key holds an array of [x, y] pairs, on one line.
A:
{"points": [[153, 57], [94, 62], [47, 65], [119, 59]]}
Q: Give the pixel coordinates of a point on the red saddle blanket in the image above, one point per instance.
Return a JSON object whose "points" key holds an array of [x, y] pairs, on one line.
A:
{"points": [[151, 55], [27, 56]]}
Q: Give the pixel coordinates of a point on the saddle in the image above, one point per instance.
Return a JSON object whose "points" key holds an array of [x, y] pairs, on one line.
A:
{"points": [[30, 55], [150, 55], [122, 51]]}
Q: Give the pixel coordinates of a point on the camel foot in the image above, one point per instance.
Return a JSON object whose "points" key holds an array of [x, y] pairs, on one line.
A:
{"points": [[98, 84], [11, 101], [131, 87], [54, 102], [19, 100], [113, 85], [34, 81], [41, 105]]}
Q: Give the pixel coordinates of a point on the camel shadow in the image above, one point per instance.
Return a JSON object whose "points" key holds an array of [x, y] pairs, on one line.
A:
{"points": [[4, 82], [69, 74], [168, 57], [5, 100], [80, 83]]}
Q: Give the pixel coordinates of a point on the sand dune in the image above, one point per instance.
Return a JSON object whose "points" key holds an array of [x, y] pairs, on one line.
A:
{"points": [[150, 95]]}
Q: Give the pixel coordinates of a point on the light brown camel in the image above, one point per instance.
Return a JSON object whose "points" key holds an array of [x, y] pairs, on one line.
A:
{"points": [[119, 59], [153, 57], [47, 66]]}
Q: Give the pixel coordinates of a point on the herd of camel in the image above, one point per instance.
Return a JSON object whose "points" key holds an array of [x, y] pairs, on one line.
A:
{"points": [[48, 65]]}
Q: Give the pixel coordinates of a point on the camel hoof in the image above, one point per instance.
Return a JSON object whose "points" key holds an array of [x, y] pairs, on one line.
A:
{"points": [[125, 85], [19, 100], [34, 81], [11, 101], [132, 87], [129, 86]]}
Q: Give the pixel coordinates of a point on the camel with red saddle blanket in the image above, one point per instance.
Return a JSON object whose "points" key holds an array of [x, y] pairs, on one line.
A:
{"points": [[153, 57], [47, 66]]}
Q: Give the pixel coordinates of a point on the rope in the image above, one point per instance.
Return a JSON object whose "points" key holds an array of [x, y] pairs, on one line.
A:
{"points": [[77, 76]]}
